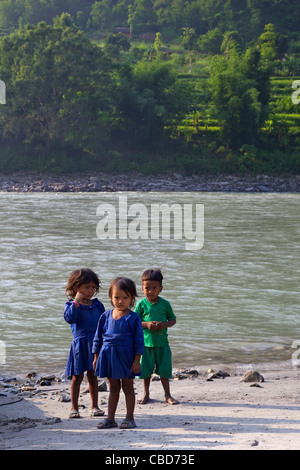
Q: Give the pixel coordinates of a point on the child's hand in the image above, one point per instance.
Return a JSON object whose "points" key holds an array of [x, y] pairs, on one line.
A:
{"points": [[161, 325], [79, 296], [136, 367], [152, 325]]}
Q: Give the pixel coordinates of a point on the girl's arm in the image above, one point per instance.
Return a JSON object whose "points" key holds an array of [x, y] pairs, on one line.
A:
{"points": [[98, 338], [71, 312], [138, 344], [95, 361], [136, 365]]}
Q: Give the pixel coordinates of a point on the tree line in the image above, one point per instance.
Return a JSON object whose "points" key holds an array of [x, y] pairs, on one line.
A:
{"points": [[248, 17], [77, 104]]}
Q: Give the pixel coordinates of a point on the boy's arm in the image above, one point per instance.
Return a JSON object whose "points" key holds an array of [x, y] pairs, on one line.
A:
{"points": [[166, 324], [151, 325], [171, 318]]}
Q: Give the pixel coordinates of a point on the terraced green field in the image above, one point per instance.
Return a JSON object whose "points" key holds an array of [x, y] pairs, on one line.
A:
{"points": [[283, 111]]}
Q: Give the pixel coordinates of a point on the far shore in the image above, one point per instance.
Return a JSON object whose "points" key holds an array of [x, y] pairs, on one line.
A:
{"points": [[174, 182], [216, 412]]}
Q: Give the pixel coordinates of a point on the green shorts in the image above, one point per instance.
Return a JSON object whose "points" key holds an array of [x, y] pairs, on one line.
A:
{"points": [[157, 361]]}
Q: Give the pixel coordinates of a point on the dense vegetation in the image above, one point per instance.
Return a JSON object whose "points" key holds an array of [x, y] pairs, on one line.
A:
{"points": [[150, 85]]}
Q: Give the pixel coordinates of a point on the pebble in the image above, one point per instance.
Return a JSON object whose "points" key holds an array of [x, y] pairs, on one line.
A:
{"points": [[102, 386], [252, 376], [64, 398], [100, 182], [212, 374]]}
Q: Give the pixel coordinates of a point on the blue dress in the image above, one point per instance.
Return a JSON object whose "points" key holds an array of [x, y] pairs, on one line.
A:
{"points": [[118, 341], [84, 321]]}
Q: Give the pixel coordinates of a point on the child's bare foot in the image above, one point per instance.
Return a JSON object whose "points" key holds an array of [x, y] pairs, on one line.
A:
{"points": [[144, 400], [171, 401]]}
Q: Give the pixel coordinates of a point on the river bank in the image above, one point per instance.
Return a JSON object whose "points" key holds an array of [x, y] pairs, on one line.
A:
{"points": [[214, 413], [33, 182]]}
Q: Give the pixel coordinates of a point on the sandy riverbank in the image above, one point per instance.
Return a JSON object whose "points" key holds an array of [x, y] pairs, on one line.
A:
{"points": [[222, 414]]}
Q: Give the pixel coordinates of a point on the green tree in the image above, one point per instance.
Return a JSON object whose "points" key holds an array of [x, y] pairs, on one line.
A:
{"points": [[163, 10], [211, 41], [231, 43], [116, 43], [105, 15], [268, 43], [239, 97], [158, 45], [151, 101], [100, 15], [20, 12], [189, 44], [9, 15], [58, 88], [143, 16]]}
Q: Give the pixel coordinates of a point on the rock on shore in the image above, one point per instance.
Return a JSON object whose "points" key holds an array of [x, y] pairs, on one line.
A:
{"points": [[100, 182]]}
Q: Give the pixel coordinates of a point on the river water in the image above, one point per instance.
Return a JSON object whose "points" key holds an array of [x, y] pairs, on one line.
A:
{"points": [[236, 299]]}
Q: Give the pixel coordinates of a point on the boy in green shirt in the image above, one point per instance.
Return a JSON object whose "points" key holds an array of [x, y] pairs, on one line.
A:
{"points": [[157, 315]]}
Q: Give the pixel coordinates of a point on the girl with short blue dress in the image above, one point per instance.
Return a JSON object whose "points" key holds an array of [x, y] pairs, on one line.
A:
{"points": [[118, 345], [82, 312]]}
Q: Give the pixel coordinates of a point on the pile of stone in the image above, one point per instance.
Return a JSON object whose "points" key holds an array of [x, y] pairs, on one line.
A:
{"points": [[100, 182]]}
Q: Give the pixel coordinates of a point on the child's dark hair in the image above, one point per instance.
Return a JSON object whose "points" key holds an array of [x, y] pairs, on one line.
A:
{"points": [[79, 277], [152, 275], [127, 285]]}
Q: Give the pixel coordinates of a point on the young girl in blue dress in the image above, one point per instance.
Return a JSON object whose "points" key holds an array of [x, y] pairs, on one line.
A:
{"points": [[83, 313], [118, 345]]}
